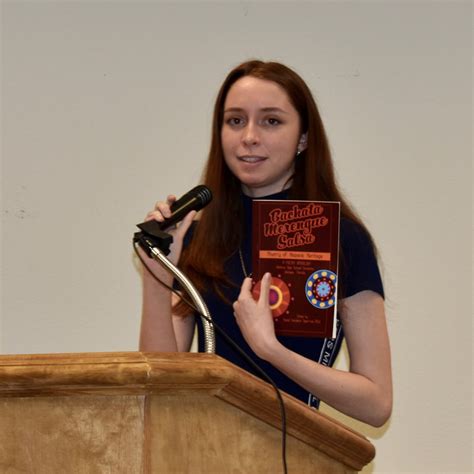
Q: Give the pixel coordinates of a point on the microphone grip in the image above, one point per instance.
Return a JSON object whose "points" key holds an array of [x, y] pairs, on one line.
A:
{"points": [[179, 209]]}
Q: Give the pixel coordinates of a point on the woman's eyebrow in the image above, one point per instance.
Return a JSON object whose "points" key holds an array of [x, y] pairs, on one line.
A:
{"points": [[263, 109], [273, 109]]}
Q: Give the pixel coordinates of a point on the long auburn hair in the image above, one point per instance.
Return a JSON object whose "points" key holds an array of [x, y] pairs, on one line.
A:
{"points": [[219, 232]]}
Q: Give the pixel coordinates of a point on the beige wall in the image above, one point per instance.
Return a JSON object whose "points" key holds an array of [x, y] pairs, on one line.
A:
{"points": [[106, 108]]}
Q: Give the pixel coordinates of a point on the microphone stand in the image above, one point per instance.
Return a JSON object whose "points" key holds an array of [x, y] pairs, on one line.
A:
{"points": [[156, 244]]}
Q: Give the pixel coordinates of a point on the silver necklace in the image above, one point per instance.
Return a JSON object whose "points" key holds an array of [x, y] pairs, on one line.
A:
{"points": [[242, 264]]}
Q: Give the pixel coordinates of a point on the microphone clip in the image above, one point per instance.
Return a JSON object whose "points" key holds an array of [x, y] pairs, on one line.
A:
{"points": [[152, 236]]}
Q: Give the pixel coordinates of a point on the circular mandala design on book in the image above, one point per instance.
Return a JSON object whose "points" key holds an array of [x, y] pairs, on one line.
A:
{"points": [[320, 289], [279, 296]]}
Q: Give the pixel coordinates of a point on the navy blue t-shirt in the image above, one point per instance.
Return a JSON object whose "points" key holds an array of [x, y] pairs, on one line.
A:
{"points": [[361, 273]]}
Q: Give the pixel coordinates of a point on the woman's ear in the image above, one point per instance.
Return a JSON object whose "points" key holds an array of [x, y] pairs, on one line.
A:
{"points": [[303, 143]]}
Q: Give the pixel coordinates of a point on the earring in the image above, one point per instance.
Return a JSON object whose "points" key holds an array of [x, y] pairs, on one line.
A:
{"points": [[302, 144]]}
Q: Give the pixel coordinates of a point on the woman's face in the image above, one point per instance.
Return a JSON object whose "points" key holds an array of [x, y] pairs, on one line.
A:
{"points": [[261, 134]]}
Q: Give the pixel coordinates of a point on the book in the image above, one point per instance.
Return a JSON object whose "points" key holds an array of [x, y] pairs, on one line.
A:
{"points": [[298, 243]]}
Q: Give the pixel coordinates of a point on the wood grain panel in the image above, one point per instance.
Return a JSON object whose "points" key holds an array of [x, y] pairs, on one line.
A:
{"points": [[93, 435], [179, 374], [206, 435]]}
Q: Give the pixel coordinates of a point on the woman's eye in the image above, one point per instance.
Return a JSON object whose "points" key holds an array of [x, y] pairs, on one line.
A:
{"points": [[273, 121], [234, 121]]}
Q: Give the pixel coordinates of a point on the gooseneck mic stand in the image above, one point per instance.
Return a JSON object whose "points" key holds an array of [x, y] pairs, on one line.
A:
{"points": [[156, 243]]}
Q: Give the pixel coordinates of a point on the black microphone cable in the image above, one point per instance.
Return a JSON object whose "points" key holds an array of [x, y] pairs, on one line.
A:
{"points": [[239, 351]]}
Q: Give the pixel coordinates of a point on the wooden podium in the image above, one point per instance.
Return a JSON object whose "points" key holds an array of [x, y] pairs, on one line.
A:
{"points": [[134, 412]]}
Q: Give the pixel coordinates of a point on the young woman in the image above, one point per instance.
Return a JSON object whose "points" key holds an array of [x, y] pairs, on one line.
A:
{"points": [[268, 141]]}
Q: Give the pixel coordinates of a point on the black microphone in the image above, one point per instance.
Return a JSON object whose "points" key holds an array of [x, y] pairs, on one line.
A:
{"points": [[194, 200]]}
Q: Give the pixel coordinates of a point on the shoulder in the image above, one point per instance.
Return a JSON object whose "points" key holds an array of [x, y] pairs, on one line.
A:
{"points": [[358, 260], [353, 233], [355, 241]]}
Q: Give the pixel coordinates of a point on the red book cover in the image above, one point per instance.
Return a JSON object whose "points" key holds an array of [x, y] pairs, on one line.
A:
{"points": [[298, 243]]}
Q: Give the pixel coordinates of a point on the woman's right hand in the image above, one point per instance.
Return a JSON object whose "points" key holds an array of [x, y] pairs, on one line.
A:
{"points": [[162, 211]]}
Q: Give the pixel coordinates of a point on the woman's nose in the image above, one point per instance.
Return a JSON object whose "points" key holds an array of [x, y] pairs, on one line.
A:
{"points": [[250, 134]]}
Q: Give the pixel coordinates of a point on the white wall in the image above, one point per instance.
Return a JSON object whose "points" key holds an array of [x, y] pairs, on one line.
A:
{"points": [[106, 108]]}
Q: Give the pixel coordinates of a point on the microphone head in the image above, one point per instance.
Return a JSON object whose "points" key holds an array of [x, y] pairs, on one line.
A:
{"points": [[203, 195]]}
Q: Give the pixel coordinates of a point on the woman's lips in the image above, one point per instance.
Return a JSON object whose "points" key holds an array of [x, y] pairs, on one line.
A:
{"points": [[252, 158]]}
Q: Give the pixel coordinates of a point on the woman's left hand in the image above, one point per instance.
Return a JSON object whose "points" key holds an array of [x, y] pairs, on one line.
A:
{"points": [[254, 318]]}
